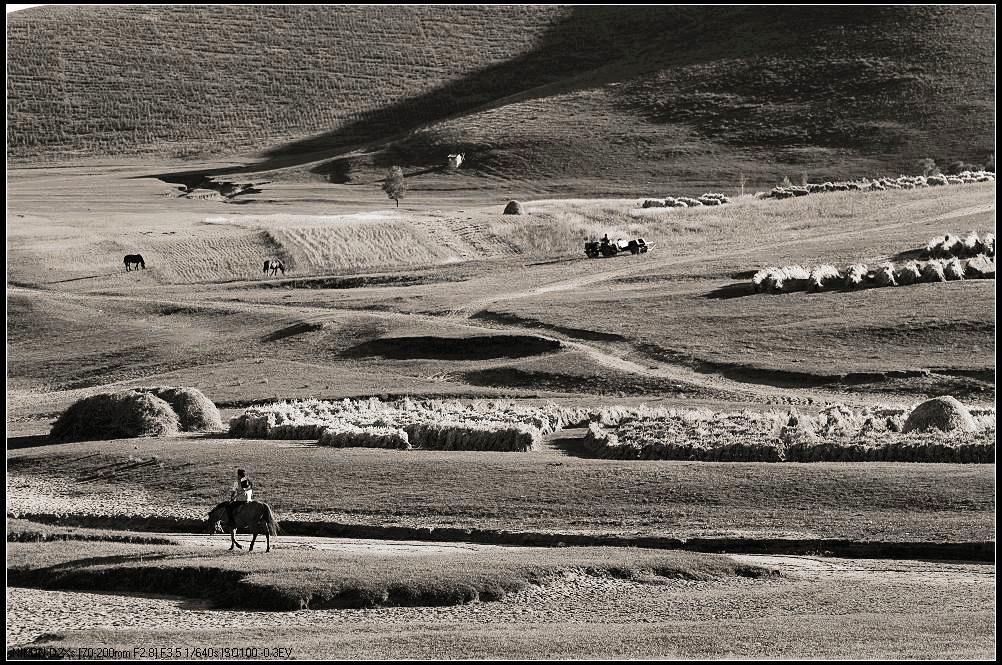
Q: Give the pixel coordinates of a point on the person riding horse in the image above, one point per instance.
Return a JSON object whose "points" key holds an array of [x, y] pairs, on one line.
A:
{"points": [[242, 491]]}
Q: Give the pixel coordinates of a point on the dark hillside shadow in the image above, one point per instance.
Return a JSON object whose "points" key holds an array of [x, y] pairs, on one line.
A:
{"points": [[586, 40]]}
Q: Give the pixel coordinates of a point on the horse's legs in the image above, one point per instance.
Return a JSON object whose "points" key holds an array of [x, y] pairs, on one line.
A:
{"points": [[233, 539], [267, 538], [253, 538]]}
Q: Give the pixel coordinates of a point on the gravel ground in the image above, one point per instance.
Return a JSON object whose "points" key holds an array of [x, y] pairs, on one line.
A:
{"points": [[809, 586]]}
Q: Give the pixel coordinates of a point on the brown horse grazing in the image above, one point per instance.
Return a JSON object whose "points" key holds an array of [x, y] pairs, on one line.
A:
{"points": [[134, 260], [253, 516], [274, 265]]}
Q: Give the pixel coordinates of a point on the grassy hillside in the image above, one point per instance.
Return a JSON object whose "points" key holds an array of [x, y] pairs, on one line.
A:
{"points": [[604, 99]]}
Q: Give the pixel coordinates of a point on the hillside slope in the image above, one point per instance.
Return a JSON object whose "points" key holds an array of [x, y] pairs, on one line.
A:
{"points": [[604, 99]]}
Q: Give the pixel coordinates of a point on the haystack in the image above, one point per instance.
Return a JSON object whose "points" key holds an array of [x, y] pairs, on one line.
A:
{"points": [[824, 277], [954, 269], [973, 245], [513, 208], [932, 271], [907, 273], [119, 415], [941, 413], [856, 276], [980, 267], [759, 279], [195, 411], [884, 275]]}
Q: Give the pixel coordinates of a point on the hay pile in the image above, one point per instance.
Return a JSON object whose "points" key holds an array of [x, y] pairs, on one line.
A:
{"points": [[782, 280], [952, 246], [491, 425], [908, 273], [836, 434], [194, 410], [945, 414], [120, 415], [708, 199], [474, 436], [513, 208], [349, 436], [826, 277], [881, 184], [980, 267]]}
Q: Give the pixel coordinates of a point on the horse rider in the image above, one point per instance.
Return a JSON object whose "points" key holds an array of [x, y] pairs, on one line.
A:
{"points": [[242, 492]]}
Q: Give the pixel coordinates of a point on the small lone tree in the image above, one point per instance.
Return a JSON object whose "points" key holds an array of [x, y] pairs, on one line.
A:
{"points": [[928, 166], [393, 185], [742, 181]]}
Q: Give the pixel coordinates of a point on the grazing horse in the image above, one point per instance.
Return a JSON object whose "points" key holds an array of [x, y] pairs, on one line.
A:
{"points": [[274, 265], [134, 260], [253, 516]]}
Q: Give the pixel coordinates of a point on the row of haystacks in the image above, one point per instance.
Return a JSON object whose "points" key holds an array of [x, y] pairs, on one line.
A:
{"points": [[938, 430], [952, 246], [878, 184], [708, 199], [826, 277], [152, 411], [431, 424]]}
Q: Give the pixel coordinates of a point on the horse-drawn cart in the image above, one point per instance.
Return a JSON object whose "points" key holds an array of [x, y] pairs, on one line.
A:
{"points": [[604, 248]]}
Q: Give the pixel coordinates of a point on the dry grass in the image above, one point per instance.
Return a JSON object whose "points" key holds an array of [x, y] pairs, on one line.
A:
{"points": [[557, 489]]}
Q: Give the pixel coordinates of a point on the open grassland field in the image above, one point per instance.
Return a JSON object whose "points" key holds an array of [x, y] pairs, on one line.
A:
{"points": [[479, 441], [519, 312], [559, 488], [596, 100]]}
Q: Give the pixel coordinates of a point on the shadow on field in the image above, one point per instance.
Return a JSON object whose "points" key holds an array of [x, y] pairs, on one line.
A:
{"points": [[728, 291], [31, 441], [484, 347], [77, 279]]}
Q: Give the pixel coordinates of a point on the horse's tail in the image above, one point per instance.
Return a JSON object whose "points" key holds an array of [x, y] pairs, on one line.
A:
{"points": [[270, 522], [267, 265]]}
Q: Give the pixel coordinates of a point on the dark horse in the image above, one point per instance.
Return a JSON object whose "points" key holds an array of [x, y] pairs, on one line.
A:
{"points": [[253, 516], [134, 260], [274, 265]]}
